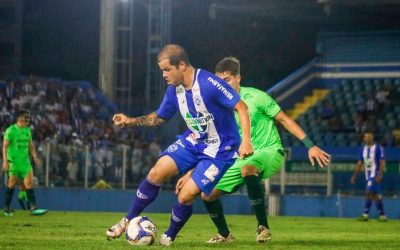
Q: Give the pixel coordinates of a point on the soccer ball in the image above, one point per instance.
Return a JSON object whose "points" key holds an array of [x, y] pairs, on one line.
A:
{"points": [[141, 231]]}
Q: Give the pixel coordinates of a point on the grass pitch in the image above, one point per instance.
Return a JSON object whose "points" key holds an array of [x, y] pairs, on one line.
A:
{"points": [[86, 230]]}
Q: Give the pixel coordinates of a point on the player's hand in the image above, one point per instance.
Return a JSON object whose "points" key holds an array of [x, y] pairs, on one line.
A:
{"points": [[321, 156], [37, 161], [245, 149], [353, 180], [378, 178], [181, 182], [5, 166], [120, 120]]}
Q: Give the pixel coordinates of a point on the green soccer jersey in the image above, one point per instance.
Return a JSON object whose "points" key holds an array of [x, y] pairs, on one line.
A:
{"points": [[19, 139], [262, 109]]}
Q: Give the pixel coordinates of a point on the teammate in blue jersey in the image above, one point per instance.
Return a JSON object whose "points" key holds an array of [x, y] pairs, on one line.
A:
{"points": [[372, 158], [209, 146]]}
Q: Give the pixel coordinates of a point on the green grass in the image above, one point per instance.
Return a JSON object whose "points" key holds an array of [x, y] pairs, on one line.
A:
{"points": [[86, 230]]}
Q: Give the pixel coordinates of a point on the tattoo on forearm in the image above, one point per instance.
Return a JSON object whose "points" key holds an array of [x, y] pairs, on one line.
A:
{"points": [[149, 120]]}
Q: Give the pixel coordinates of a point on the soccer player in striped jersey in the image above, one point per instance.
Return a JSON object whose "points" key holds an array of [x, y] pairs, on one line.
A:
{"points": [[209, 146], [372, 158], [267, 158]]}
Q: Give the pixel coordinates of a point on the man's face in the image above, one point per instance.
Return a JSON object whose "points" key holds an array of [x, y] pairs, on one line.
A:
{"points": [[172, 74], [368, 138], [228, 77], [24, 119]]}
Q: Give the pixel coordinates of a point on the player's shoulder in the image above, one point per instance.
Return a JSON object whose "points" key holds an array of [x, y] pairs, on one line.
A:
{"points": [[204, 76], [255, 93], [11, 128]]}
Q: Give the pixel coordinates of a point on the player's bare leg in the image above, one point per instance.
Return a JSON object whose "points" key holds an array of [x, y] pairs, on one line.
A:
{"points": [[163, 170], [181, 212]]}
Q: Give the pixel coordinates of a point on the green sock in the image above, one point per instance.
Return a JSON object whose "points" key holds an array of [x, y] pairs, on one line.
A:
{"points": [[256, 195], [31, 198], [22, 195], [216, 213], [8, 196]]}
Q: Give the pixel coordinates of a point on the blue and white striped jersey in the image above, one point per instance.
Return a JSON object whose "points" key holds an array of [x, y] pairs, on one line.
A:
{"points": [[207, 109], [371, 156]]}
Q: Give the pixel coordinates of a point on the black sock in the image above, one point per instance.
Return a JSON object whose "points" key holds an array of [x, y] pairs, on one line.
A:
{"points": [[8, 196], [256, 196], [22, 203], [31, 198], [216, 213]]}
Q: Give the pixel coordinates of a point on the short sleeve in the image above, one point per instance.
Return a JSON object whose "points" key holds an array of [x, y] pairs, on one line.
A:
{"points": [[8, 135], [220, 91], [267, 105], [168, 106]]}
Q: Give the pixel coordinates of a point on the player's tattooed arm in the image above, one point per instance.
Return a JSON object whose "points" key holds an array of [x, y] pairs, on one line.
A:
{"points": [[148, 120]]}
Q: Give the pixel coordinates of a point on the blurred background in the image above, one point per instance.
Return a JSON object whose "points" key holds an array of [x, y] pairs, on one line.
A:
{"points": [[332, 65]]}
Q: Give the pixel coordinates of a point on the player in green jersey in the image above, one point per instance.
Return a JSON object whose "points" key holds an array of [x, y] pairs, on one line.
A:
{"points": [[17, 145], [266, 161]]}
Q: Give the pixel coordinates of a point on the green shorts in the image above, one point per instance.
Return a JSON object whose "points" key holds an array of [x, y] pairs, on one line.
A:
{"points": [[268, 162], [19, 170]]}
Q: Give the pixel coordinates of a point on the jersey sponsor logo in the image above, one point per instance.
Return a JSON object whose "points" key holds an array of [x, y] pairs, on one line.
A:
{"points": [[172, 148], [221, 88], [140, 195], [211, 172], [211, 141], [175, 218], [199, 123]]}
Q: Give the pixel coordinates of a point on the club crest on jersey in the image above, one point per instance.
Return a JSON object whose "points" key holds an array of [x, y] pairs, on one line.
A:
{"points": [[197, 100], [172, 148], [199, 123]]}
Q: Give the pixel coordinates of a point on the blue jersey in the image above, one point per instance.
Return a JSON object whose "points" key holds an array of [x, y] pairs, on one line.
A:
{"points": [[371, 156], [207, 109]]}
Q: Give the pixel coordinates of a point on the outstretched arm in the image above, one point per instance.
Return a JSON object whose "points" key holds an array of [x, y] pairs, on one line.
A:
{"points": [[246, 148], [149, 120], [314, 152]]}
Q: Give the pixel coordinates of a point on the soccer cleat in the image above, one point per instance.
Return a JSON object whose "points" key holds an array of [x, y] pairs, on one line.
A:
{"points": [[363, 217], [38, 211], [263, 234], [165, 240], [221, 239], [382, 218], [8, 212], [118, 229]]}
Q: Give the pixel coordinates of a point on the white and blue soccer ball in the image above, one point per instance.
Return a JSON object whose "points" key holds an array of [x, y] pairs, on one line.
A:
{"points": [[141, 231]]}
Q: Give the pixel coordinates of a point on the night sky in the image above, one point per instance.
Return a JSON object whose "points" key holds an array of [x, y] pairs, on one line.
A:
{"points": [[61, 38]]}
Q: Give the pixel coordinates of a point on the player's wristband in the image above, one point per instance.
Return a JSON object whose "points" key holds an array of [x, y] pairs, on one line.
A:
{"points": [[307, 142]]}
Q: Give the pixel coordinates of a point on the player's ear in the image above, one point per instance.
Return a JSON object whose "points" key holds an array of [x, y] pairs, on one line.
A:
{"points": [[182, 66], [238, 78]]}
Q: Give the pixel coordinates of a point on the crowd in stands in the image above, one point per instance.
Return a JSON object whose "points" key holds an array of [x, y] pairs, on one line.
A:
{"points": [[372, 109], [67, 118]]}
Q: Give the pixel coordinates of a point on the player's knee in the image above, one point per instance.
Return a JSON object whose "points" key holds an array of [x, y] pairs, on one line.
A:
{"points": [[249, 170], [186, 198], [156, 175], [209, 198]]}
